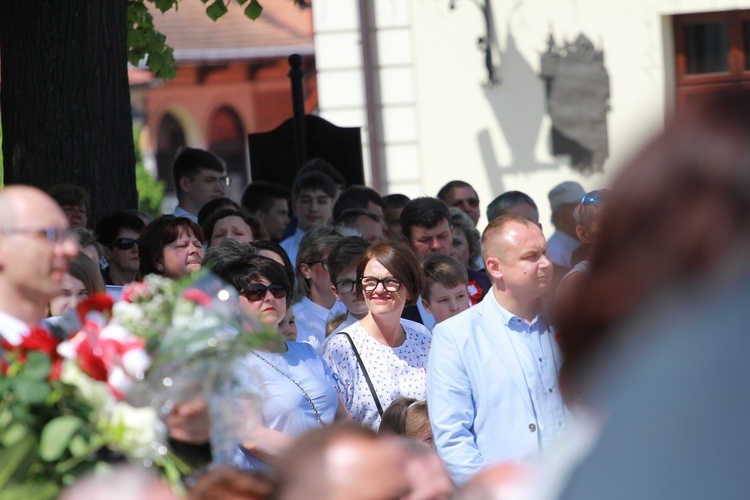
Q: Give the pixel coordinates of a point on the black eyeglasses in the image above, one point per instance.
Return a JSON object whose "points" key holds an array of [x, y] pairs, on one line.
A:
{"points": [[370, 283], [595, 197], [323, 263], [53, 234], [123, 243], [257, 292], [345, 286]]}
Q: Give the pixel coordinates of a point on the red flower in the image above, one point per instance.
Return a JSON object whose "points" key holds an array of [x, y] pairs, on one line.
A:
{"points": [[38, 339], [100, 302], [197, 296], [133, 290], [89, 358]]}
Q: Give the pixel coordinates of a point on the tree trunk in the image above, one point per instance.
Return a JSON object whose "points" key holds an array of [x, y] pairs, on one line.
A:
{"points": [[65, 98]]}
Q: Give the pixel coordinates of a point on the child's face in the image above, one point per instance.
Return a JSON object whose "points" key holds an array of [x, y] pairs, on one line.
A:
{"points": [[288, 327], [354, 303], [313, 207], [446, 302]]}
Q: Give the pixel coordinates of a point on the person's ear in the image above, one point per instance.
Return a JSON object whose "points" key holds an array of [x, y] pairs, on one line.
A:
{"points": [[305, 270], [184, 183], [494, 268], [426, 306], [335, 293], [582, 234], [106, 252]]}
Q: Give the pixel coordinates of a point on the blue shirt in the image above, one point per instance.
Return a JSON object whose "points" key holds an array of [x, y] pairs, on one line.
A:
{"points": [[285, 407], [181, 212], [532, 343]]}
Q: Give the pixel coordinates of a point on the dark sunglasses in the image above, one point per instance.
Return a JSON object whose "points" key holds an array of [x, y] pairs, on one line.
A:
{"points": [[257, 292], [595, 197], [124, 243]]}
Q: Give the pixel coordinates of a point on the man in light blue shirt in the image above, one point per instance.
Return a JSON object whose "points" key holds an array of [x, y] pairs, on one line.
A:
{"points": [[492, 373]]}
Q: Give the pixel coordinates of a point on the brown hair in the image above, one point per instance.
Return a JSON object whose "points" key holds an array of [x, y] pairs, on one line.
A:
{"points": [[405, 417], [159, 233], [442, 269], [87, 272], [400, 260], [679, 211]]}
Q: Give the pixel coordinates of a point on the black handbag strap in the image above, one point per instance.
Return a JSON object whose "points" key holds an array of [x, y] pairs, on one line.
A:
{"points": [[364, 372]]}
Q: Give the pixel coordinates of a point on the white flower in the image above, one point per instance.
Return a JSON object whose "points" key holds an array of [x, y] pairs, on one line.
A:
{"points": [[137, 432], [95, 393]]}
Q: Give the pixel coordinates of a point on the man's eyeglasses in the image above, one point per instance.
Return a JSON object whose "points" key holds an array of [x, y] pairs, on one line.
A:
{"points": [[370, 283], [595, 197], [345, 286], [257, 292], [323, 263], [53, 234], [123, 243], [222, 180]]}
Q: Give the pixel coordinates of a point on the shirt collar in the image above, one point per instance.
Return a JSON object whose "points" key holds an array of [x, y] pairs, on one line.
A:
{"points": [[513, 322], [12, 329]]}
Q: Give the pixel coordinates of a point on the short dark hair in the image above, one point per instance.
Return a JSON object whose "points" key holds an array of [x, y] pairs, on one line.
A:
{"points": [[345, 253], [314, 180], [443, 193], [349, 217], [322, 166], [261, 195], [509, 199], [274, 247], [248, 267], [189, 161], [111, 224], [426, 212], [356, 197], [159, 233], [396, 200], [69, 194], [256, 228], [401, 261], [212, 206]]}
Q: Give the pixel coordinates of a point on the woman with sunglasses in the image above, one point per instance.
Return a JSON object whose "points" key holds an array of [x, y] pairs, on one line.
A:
{"points": [[118, 233], [315, 303], [298, 385], [380, 358]]}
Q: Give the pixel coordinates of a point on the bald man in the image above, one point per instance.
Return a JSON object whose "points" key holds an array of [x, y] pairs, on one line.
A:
{"points": [[35, 248], [492, 372], [344, 462]]}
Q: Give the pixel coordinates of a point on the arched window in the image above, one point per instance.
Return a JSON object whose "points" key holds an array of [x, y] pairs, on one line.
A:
{"points": [[170, 138], [226, 138]]}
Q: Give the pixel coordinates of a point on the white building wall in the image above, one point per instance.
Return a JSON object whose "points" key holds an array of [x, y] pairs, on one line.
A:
{"points": [[441, 122]]}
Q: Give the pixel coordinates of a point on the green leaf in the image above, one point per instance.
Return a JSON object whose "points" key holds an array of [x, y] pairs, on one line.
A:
{"points": [[12, 458], [35, 491], [30, 391], [37, 366], [165, 5], [78, 446], [253, 10], [57, 435], [15, 433], [242, 2], [216, 10]]}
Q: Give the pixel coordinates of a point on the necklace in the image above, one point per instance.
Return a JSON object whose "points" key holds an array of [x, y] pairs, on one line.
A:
{"points": [[309, 399]]}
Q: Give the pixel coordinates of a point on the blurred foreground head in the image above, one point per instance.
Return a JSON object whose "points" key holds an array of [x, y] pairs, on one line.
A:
{"points": [[679, 214]]}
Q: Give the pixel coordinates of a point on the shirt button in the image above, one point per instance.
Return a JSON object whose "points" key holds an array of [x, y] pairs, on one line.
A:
{"points": [[532, 427], [550, 390], [540, 360]]}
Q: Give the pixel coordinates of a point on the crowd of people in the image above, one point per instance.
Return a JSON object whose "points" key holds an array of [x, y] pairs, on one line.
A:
{"points": [[419, 358]]}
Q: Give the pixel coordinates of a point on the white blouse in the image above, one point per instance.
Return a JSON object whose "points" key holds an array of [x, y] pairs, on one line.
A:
{"points": [[394, 371]]}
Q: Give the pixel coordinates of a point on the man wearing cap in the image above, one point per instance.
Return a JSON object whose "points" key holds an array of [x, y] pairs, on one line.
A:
{"points": [[563, 199]]}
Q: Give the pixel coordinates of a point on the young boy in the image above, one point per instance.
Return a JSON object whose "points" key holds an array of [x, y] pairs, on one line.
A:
{"points": [[445, 292], [342, 267], [312, 201]]}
